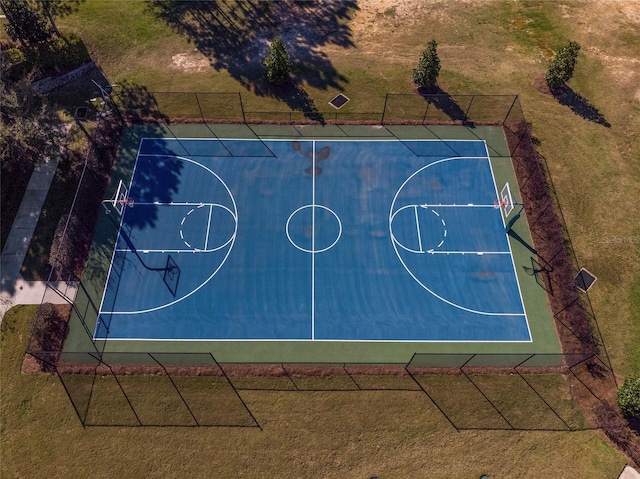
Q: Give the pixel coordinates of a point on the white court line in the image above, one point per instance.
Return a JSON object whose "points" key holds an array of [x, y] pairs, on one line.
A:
{"points": [[395, 242], [415, 209], [515, 271], [113, 255], [190, 249], [206, 239], [479, 253], [178, 203], [368, 139], [298, 340], [313, 241], [465, 205], [193, 291], [306, 139]]}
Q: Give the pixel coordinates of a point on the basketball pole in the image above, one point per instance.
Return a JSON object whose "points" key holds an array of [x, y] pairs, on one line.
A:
{"points": [[106, 96], [515, 218], [509, 230], [122, 233]]}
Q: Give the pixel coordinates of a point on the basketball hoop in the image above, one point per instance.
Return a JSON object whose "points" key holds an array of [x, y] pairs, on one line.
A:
{"points": [[128, 201], [497, 204]]}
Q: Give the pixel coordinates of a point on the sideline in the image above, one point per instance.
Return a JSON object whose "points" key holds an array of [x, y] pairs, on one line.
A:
{"points": [[14, 289]]}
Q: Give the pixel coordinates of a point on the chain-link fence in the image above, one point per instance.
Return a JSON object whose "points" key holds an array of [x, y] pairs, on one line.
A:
{"points": [[181, 389], [472, 391]]}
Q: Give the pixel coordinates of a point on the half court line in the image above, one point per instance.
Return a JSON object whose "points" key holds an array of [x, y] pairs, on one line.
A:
{"points": [[313, 240]]}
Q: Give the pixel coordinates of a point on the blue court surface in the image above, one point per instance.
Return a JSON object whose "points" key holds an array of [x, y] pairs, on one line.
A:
{"points": [[312, 240]]}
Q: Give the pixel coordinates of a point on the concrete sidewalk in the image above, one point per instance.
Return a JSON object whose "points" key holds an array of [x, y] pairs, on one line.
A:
{"points": [[629, 473], [13, 288]]}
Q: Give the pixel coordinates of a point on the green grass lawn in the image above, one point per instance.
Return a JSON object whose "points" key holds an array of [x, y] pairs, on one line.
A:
{"points": [[357, 434], [485, 47]]}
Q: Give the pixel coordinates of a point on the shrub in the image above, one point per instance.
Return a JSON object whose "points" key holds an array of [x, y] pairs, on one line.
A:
{"points": [[14, 64], [48, 330], [629, 397], [14, 55], [24, 22], [61, 53], [278, 62], [46, 57], [426, 74], [561, 69]]}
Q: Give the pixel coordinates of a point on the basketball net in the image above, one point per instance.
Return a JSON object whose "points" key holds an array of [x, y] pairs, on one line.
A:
{"points": [[128, 201]]}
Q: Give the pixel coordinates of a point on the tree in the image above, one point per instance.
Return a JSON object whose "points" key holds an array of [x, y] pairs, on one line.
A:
{"points": [[30, 131], [57, 8], [426, 75], [26, 23], [629, 397], [561, 69], [278, 62]]}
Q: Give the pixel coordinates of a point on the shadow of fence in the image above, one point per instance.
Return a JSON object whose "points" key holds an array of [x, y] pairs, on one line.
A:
{"points": [[524, 392]]}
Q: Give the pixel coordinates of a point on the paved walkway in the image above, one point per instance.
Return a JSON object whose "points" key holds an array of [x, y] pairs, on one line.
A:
{"points": [[13, 288], [629, 473]]}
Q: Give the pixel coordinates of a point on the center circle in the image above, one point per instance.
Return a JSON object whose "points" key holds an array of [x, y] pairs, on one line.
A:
{"points": [[313, 228]]}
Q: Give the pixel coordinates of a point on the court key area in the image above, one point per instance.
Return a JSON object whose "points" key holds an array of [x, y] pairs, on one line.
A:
{"points": [[312, 240]]}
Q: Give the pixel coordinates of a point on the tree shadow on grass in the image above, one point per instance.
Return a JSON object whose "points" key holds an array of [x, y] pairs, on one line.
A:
{"points": [[235, 37], [294, 96], [444, 103], [579, 105]]}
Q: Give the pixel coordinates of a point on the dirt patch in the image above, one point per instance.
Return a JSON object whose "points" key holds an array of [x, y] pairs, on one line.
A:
{"points": [[374, 17], [189, 62], [540, 84]]}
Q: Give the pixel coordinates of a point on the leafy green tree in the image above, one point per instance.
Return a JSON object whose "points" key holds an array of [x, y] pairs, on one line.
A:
{"points": [[30, 131], [278, 62], [57, 8], [25, 22], [561, 69], [629, 397], [426, 74]]}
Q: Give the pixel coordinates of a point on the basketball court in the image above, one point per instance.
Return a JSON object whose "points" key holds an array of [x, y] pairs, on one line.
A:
{"points": [[312, 240], [317, 248]]}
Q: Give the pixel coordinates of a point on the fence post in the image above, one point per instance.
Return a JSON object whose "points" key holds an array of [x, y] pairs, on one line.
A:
{"points": [[384, 108], [515, 99], [466, 113], [244, 119], [426, 110]]}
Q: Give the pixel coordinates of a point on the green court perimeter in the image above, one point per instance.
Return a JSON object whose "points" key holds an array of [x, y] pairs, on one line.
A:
{"points": [[83, 320]]}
